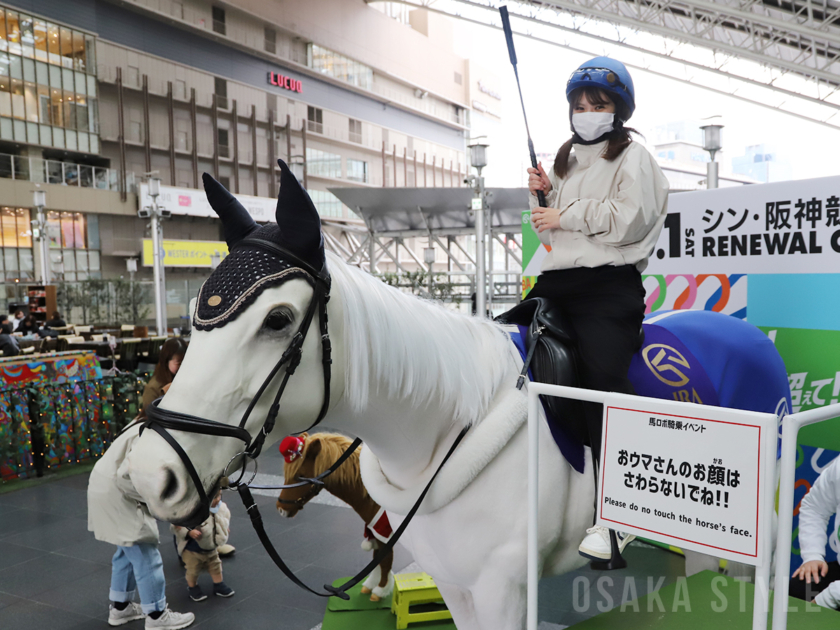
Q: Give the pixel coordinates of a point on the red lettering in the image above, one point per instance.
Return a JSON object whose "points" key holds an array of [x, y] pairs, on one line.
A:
{"points": [[272, 79], [287, 83], [298, 86]]}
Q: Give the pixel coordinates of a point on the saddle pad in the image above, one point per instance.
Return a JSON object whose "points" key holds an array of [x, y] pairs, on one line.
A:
{"points": [[571, 448]]}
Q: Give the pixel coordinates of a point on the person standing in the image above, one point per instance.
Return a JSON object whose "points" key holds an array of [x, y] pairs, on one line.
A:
{"points": [[117, 515], [171, 355], [607, 202]]}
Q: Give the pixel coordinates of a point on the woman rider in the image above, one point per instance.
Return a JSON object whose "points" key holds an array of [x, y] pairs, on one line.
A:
{"points": [[607, 201]]}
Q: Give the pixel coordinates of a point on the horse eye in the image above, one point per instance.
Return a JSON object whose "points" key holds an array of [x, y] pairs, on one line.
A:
{"points": [[277, 319]]}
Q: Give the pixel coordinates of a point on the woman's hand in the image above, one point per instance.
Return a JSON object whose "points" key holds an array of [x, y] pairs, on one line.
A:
{"points": [[538, 180], [195, 534], [545, 218], [812, 571]]}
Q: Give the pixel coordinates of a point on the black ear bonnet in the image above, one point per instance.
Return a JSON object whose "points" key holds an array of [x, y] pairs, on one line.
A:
{"points": [[260, 257]]}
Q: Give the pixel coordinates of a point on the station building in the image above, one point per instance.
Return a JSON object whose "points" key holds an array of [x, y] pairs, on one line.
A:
{"points": [[94, 95]]}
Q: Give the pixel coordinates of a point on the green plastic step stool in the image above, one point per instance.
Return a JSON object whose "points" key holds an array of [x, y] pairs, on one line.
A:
{"points": [[411, 589]]}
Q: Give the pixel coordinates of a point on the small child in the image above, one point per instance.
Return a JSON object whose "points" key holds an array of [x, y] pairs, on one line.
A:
{"points": [[198, 549]]}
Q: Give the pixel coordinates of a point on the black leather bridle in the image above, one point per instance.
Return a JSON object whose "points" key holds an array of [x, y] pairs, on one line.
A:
{"points": [[159, 420]]}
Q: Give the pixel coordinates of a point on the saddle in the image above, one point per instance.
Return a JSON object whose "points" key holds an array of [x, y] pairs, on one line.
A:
{"points": [[552, 358]]}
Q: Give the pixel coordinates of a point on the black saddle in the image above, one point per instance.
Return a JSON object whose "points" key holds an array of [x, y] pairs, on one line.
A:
{"points": [[552, 357]]}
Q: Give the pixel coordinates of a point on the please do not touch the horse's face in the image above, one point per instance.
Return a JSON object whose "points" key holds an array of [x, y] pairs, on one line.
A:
{"points": [[233, 351]]}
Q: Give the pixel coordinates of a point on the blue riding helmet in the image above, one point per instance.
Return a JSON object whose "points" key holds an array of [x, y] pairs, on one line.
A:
{"points": [[608, 74]]}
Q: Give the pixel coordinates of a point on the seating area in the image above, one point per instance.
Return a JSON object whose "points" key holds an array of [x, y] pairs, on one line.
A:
{"points": [[128, 347]]}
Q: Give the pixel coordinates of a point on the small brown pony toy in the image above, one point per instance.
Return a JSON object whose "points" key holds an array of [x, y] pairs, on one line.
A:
{"points": [[308, 456]]}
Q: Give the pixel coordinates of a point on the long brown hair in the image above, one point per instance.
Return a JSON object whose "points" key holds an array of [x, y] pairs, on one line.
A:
{"points": [[619, 137], [173, 347]]}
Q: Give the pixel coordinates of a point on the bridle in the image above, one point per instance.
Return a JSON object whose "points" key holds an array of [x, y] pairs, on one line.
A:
{"points": [[159, 420]]}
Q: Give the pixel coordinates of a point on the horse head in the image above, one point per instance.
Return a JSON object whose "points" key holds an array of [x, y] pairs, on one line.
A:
{"points": [[266, 300]]}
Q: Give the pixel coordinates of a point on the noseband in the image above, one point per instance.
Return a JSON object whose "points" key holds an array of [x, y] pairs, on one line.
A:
{"points": [[159, 420]]}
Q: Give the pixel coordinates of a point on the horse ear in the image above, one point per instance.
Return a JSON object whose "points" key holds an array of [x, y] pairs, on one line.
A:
{"points": [[313, 447], [298, 219], [236, 221]]}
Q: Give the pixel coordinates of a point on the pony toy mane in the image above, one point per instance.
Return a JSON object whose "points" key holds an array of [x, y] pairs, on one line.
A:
{"points": [[332, 447], [401, 346]]}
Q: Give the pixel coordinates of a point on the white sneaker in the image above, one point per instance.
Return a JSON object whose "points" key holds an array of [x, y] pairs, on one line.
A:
{"points": [[129, 613], [596, 545], [170, 620]]}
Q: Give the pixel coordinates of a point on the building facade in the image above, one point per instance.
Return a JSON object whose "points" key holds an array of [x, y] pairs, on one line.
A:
{"points": [[94, 95]]}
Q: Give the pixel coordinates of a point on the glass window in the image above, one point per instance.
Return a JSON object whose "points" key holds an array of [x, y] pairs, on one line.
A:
{"points": [[15, 67], [27, 36], [69, 260], [81, 260], [4, 63], [79, 57], [31, 97], [68, 231], [5, 97], [53, 44], [44, 104], [57, 115], [42, 73], [79, 230], [339, 66], [91, 86], [93, 260], [13, 32], [10, 260], [323, 163], [27, 264], [24, 229], [54, 229], [93, 235], [8, 223], [90, 54], [66, 37], [4, 43], [55, 77], [29, 70], [18, 108], [357, 170], [81, 83], [67, 82], [327, 204], [93, 119], [39, 30], [82, 122], [69, 106]]}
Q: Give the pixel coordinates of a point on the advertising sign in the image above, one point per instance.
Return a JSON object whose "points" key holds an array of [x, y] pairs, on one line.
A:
{"points": [[787, 227], [193, 202], [695, 480], [185, 253]]}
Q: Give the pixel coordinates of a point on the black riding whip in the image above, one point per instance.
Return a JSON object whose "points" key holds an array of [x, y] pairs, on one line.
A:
{"points": [[512, 51]]}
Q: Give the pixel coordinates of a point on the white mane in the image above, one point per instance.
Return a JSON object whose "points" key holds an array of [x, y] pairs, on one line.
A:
{"points": [[417, 350]]}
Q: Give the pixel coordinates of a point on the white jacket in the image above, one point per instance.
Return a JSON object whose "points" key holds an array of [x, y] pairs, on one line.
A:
{"points": [[822, 500], [611, 213], [116, 512], [214, 531]]}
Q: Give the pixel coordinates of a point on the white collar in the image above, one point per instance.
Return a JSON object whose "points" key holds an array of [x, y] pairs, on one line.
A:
{"points": [[586, 154]]}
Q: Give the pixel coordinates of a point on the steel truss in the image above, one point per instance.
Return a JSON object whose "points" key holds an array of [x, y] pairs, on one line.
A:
{"points": [[781, 54]]}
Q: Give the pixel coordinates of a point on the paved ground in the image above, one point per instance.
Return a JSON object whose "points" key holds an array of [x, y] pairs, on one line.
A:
{"points": [[55, 576]]}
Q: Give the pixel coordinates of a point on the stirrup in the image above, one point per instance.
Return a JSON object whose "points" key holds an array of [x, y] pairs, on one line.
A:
{"points": [[617, 561]]}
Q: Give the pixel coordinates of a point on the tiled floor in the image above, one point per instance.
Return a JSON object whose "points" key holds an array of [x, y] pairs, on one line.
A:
{"points": [[54, 575]]}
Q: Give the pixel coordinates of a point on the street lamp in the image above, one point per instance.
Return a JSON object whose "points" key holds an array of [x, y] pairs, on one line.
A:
{"points": [[478, 160], [39, 232], [156, 213], [711, 143], [429, 259]]}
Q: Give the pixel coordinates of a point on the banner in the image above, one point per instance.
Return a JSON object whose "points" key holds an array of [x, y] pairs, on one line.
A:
{"points": [[693, 476], [185, 253], [193, 202], [787, 227]]}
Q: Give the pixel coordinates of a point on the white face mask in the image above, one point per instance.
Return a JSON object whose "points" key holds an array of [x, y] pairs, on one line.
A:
{"points": [[214, 510], [592, 125]]}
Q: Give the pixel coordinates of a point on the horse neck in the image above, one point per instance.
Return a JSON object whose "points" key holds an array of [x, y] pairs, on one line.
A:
{"points": [[355, 496]]}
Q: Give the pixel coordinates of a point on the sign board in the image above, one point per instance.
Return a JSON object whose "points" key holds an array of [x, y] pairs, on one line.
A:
{"points": [[690, 475], [786, 227], [185, 253], [193, 202]]}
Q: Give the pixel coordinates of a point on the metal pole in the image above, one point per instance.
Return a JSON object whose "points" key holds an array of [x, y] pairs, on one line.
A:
{"points": [[491, 265], [157, 266], [480, 270], [533, 576], [711, 174], [44, 247]]}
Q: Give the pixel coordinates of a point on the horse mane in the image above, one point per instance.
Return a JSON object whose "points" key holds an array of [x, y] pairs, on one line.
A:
{"points": [[400, 346], [332, 447]]}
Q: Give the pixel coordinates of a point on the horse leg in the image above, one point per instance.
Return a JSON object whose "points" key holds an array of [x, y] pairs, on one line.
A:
{"points": [[500, 602], [386, 581], [459, 601], [372, 580]]}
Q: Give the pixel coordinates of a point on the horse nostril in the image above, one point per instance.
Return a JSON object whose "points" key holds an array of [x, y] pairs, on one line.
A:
{"points": [[171, 485]]}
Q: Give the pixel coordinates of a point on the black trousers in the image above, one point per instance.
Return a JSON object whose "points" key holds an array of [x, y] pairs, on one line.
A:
{"points": [[802, 590], [605, 307]]}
